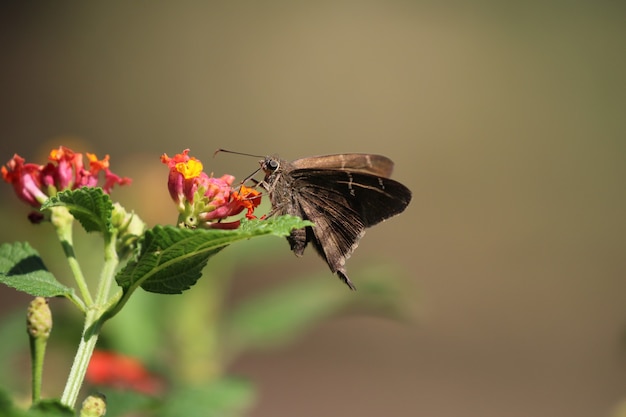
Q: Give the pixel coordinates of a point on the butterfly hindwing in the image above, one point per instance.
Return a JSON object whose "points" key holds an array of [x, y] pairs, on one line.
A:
{"points": [[373, 198], [342, 205]]}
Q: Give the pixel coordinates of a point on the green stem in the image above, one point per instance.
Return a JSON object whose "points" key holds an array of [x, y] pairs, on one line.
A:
{"points": [[37, 353], [90, 331], [120, 299], [113, 300], [62, 221], [77, 302], [81, 361], [38, 325], [108, 270]]}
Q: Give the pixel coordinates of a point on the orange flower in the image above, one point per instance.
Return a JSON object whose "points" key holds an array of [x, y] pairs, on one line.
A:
{"points": [[205, 201], [121, 372], [34, 183], [248, 198]]}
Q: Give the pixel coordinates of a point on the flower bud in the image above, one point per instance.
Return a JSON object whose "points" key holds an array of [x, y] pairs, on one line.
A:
{"points": [[130, 227], [39, 319], [94, 406]]}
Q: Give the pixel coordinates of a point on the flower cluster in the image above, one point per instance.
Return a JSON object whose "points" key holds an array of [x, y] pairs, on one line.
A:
{"points": [[66, 170], [203, 200]]}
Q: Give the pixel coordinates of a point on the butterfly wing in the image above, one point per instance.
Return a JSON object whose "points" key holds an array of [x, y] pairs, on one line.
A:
{"points": [[377, 165], [342, 204]]}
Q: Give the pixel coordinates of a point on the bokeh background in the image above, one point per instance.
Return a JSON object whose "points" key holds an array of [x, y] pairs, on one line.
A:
{"points": [[506, 119]]}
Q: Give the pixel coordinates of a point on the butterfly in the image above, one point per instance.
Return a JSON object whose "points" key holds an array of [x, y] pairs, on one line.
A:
{"points": [[341, 194]]}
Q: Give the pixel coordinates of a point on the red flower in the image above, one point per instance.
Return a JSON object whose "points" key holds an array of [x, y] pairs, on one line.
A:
{"points": [[26, 180], [205, 201], [246, 198], [121, 372], [185, 176], [34, 183]]}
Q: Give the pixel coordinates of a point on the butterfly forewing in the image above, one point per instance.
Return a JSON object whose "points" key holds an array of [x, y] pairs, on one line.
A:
{"points": [[354, 162]]}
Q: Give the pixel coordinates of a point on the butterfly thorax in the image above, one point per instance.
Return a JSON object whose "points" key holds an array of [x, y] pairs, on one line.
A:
{"points": [[279, 187], [283, 197]]}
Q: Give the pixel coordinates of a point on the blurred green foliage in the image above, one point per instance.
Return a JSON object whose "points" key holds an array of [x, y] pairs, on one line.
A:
{"points": [[190, 340]]}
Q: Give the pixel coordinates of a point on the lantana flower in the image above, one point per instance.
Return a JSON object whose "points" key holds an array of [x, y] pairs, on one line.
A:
{"points": [[203, 200], [66, 170], [123, 372]]}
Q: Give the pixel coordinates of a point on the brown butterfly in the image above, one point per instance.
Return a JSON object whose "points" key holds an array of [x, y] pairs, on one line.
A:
{"points": [[341, 194]]}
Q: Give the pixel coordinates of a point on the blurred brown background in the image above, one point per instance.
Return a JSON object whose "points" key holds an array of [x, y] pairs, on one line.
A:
{"points": [[505, 119]]}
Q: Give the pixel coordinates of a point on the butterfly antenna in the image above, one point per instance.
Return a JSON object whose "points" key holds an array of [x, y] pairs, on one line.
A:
{"points": [[236, 153], [249, 177]]}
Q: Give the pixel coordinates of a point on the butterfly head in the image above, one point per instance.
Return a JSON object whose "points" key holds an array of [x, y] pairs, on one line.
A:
{"points": [[270, 164]]}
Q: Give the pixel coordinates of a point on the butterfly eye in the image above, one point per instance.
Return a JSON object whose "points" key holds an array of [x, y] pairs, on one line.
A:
{"points": [[272, 165]]}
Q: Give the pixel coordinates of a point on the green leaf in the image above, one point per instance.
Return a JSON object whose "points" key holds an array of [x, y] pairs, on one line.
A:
{"points": [[126, 402], [279, 315], [21, 268], [6, 404], [170, 259], [228, 397], [50, 408], [89, 205], [277, 226], [45, 408]]}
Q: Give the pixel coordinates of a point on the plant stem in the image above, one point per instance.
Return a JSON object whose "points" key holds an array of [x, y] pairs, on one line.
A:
{"points": [[77, 302], [38, 325], [63, 221], [90, 332], [108, 270], [37, 352], [81, 361]]}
